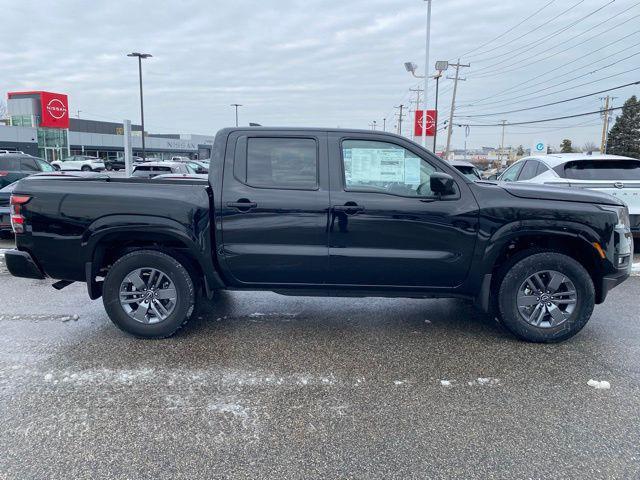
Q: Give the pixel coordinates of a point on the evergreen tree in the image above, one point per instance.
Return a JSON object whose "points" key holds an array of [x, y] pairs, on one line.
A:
{"points": [[520, 151], [565, 146], [624, 137]]}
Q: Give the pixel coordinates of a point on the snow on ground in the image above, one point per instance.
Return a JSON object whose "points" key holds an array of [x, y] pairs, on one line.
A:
{"points": [[599, 384], [635, 269]]}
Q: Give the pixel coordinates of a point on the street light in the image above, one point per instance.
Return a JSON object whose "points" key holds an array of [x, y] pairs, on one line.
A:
{"points": [[236, 105], [140, 57]]}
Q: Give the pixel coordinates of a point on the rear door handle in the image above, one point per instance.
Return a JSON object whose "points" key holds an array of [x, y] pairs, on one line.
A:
{"points": [[349, 208], [243, 205]]}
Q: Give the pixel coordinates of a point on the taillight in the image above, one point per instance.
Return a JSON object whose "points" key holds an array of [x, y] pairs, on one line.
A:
{"points": [[17, 219], [3, 173]]}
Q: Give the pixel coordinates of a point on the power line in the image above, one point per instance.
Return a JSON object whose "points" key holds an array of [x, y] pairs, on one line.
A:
{"points": [[530, 122], [481, 102], [509, 30], [528, 59], [546, 22], [527, 47], [549, 104]]}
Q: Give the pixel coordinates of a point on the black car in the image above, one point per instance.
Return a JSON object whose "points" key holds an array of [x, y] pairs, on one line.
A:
{"points": [[5, 210], [16, 166], [324, 212], [118, 163]]}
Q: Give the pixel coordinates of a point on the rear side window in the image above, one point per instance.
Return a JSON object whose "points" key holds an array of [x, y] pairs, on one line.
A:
{"points": [[10, 164], [602, 170], [28, 165], [282, 163], [529, 170], [541, 168]]}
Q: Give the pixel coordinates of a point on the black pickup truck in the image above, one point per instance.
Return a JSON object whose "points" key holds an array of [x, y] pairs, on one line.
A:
{"points": [[323, 212]]}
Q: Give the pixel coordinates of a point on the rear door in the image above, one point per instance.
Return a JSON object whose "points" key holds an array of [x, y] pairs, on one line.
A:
{"points": [[9, 169], [275, 201], [387, 228]]}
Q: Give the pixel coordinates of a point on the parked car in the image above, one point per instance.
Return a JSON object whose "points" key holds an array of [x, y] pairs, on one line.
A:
{"points": [[84, 163], [16, 166], [198, 167], [178, 158], [468, 169], [153, 169], [615, 175], [5, 213], [330, 213], [118, 163]]}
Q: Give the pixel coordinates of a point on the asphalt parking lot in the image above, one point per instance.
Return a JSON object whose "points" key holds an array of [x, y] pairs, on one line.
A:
{"points": [[265, 386]]}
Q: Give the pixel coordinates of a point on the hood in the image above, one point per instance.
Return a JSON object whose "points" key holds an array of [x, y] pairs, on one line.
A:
{"points": [[563, 194]]}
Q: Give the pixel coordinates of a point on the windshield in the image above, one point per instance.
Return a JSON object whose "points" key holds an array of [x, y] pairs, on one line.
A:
{"points": [[469, 172], [603, 170]]}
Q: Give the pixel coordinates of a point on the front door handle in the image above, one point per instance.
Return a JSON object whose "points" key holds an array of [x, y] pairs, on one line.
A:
{"points": [[244, 204], [350, 208]]}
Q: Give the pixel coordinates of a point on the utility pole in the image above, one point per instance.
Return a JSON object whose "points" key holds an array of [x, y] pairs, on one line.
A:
{"points": [[453, 104], [605, 125], [78, 114], [435, 120], [400, 115], [502, 162], [236, 105], [417, 91], [373, 125], [426, 76]]}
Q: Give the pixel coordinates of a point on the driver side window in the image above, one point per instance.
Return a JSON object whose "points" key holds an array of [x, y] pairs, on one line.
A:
{"points": [[384, 167]]}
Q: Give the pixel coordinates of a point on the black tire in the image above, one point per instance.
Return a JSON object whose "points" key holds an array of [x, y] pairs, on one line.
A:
{"points": [[86, 168], [108, 168], [177, 273], [519, 271]]}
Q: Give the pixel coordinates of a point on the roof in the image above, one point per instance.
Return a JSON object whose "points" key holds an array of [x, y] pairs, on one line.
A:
{"points": [[460, 163], [555, 159], [159, 164]]}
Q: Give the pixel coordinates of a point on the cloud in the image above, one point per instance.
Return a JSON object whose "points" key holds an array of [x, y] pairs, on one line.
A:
{"points": [[294, 62]]}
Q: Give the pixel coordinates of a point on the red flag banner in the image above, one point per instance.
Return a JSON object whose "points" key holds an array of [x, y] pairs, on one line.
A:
{"points": [[432, 118]]}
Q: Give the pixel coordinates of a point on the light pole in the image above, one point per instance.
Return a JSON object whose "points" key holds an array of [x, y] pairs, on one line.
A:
{"points": [[236, 105], [140, 57], [426, 76]]}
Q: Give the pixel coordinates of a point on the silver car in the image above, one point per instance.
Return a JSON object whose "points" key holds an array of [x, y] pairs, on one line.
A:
{"points": [[612, 174]]}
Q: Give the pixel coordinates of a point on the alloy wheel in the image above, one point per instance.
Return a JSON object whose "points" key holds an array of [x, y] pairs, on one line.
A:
{"points": [[546, 299], [148, 295]]}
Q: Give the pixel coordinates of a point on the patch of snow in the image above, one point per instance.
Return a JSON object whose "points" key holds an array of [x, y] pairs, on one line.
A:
{"points": [[485, 381], [257, 314], [445, 383], [48, 377], [2, 251], [399, 382], [599, 385], [234, 409], [427, 321], [635, 269]]}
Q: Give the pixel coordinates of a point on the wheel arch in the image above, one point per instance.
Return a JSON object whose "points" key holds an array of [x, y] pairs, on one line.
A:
{"points": [[109, 239], [574, 240]]}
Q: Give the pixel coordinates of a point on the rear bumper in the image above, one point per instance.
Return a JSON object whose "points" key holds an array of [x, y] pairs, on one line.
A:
{"points": [[20, 264]]}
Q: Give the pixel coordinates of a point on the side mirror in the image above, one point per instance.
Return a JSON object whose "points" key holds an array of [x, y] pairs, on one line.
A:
{"points": [[442, 184]]}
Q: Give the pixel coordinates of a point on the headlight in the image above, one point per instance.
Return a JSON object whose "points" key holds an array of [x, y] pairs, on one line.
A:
{"points": [[622, 213]]}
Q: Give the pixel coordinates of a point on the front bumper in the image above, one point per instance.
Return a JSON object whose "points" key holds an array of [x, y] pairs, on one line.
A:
{"points": [[20, 264]]}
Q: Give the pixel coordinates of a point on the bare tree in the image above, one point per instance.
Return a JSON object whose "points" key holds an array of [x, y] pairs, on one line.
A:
{"points": [[590, 147]]}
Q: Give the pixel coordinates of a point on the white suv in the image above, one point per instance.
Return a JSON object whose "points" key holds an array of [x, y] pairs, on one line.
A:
{"points": [[83, 163]]}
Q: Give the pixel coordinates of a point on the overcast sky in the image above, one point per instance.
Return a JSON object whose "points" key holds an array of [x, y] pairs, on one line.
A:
{"points": [[324, 63]]}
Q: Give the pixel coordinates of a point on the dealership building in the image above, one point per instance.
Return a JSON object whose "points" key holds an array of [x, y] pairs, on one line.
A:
{"points": [[39, 124]]}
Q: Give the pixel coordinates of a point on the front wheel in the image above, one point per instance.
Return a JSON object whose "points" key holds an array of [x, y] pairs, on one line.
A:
{"points": [[86, 168], [546, 297], [148, 294]]}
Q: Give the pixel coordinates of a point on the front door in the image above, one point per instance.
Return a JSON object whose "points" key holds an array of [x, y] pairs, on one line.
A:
{"points": [[274, 205], [386, 226]]}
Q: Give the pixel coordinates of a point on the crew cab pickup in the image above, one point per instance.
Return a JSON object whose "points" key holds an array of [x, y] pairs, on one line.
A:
{"points": [[323, 212]]}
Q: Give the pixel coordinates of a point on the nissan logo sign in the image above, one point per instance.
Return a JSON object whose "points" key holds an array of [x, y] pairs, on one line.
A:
{"points": [[618, 185], [56, 108]]}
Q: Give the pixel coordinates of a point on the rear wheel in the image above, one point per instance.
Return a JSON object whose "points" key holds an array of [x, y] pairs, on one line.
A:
{"points": [[86, 168], [546, 297], [148, 294]]}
